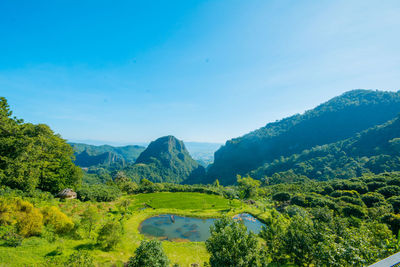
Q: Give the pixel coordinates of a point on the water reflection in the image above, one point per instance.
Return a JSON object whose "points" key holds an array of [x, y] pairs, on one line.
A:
{"points": [[177, 228]]}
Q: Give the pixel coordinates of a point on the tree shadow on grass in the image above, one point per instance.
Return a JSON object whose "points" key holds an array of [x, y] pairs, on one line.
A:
{"points": [[87, 246]]}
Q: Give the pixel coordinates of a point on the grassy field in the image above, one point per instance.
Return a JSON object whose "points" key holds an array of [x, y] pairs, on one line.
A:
{"points": [[36, 251]]}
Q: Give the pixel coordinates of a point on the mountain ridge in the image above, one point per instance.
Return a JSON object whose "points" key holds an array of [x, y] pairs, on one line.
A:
{"points": [[337, 119]]}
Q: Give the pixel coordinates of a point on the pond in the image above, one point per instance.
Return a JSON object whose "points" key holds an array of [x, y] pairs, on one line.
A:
{"points": [[177, 228]]}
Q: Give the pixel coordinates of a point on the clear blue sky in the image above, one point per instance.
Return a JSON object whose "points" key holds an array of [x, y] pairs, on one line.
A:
{"points": [[132, 71]]}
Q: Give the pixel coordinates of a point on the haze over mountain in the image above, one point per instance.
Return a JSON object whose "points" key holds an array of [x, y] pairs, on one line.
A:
{"points": [[340, 118]]}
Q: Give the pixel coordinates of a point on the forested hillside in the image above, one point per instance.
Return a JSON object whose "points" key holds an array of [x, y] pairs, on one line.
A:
{"points": [[375, 150], [338, 119], [164, 160], [105, 155], [33, 157]]}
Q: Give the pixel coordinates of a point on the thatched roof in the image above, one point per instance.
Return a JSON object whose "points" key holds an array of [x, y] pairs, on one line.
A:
{"points": [[67, 193]]}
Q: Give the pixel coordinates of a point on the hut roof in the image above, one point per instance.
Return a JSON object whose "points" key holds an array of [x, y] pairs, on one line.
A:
{"points": [[67, 192]]}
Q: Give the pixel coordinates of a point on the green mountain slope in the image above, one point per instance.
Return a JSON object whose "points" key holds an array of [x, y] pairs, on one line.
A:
{"points": [[374, 150], [105, 155], [338, 119], [164, 160]]}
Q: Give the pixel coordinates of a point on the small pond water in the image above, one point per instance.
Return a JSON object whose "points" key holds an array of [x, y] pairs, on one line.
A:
{"points": [[178, 228]]}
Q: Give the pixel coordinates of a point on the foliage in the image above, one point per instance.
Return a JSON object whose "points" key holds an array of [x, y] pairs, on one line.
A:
{"points": [[32, 156], [89, 219], [149, 254], [27, 219], [79, 258], [231, 245], [58, 220], [165, 160], [248, 186], [10, 237], [281, 196], [109, 235], [302, 142], [98, 192]]}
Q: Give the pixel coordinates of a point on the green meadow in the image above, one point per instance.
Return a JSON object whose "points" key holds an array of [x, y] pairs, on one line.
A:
{"points": [[38, 251]]}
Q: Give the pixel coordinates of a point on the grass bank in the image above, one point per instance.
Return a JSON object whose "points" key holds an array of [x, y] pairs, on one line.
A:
{"points": [[36, 251]]}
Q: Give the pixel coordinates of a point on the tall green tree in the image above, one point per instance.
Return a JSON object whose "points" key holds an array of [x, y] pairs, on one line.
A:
{"points": [[248, 186], [231, 245], [149, 254], [32, 156]]}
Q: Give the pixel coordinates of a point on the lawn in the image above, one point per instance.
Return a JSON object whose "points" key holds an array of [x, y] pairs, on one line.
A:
{"points": [[33, 251]]}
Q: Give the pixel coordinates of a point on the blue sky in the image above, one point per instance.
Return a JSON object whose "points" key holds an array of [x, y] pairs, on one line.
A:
{"points": [[132, 71]]}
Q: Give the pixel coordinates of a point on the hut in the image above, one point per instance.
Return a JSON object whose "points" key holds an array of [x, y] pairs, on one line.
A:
{"points": [[67, 193]]}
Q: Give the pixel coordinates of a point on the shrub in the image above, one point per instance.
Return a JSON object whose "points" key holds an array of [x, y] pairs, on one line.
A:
{"points": [[98, 192], [393, 220], [54, 217], [373, 186], [348, 193], [231, 245], [10, 237], [109, 235], [281, 196], [353, 210], [149, 254], [389, 191], [352, 200], [298, 200], [79, 258], [372, 198], [395, 202]]}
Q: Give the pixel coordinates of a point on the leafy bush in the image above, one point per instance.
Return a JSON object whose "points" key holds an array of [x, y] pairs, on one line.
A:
{"points": [[10, 237], [281, 196], [372, 198], [389, 191], [54, 217], [298, 200], [78, 259], [231, 245], [395, 202], [373, 186], [98, 192], [109, 235], [348, 193], [351, 200], [149, 254], [353, 210]]}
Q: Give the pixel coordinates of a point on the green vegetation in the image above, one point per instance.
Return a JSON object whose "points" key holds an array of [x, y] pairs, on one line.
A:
{"points": [[105, 156], [32, 156], [165, 160], [339, 119], [231, 245], [149, 253], [373, 150], [311, 219]]}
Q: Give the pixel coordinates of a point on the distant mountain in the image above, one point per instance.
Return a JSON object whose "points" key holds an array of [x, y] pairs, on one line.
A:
{"points": [[202, 152], [105, 155], [375, 150], [165, 160], [338, 119]]}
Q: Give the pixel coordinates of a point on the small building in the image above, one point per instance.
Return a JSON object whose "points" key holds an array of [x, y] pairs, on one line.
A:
{"points": [[67, 193]]}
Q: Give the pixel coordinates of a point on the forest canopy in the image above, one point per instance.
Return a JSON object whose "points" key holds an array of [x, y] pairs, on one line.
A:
{"points": [[33, 157]]}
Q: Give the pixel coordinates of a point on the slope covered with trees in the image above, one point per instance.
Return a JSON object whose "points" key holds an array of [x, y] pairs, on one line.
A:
{"points": [[164, 160], [105, 155], [32, 156], [375, 150], [338, 119]]}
